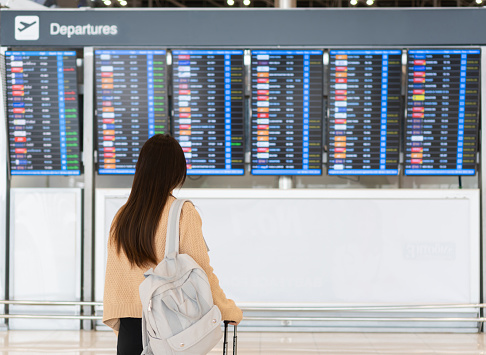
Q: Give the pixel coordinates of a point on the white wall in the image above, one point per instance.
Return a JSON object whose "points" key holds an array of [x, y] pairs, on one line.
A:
{"points": [[45, 254], [346, 247]]}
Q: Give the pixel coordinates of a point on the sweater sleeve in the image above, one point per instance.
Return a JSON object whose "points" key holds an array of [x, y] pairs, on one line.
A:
{"points": [[193, 244]]}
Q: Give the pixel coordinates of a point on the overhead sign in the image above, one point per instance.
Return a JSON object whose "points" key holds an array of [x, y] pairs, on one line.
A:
{"points": [[58, 28], [236, 28]]}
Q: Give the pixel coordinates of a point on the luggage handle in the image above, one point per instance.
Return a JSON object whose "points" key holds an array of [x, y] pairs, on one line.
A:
{"points": [[225, 341]]}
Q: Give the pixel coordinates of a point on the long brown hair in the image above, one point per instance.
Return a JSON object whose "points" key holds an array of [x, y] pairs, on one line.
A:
{"points": [[161, 167]]}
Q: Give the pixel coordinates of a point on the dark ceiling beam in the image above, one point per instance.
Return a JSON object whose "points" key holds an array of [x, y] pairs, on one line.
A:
{"points": [[269, 2], [176, 3], [214, 3]]}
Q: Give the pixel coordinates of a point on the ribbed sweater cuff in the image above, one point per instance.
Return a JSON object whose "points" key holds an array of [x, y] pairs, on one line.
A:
{"points": [[232, 314]]}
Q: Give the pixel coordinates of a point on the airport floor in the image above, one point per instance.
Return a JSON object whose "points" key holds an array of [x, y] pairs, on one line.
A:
{"points": [[104, 343]]}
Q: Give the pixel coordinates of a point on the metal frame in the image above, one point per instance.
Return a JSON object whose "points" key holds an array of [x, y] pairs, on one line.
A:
{"points": [[263, 308], [4, 192], [478, 319], [274, 193], [88, 192], [482, 178]]}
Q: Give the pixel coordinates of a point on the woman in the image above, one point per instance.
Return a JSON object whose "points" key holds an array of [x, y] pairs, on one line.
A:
{"points": [[137, 241]]}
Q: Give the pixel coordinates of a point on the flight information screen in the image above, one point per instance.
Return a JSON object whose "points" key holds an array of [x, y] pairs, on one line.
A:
{"points": [[364, 112], [442, 112], [131, 105], [287, 109], [208, 117], [42, 105]]}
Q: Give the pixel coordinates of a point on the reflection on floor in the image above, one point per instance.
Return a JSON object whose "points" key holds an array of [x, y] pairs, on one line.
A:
{"points": [[104, 343]]}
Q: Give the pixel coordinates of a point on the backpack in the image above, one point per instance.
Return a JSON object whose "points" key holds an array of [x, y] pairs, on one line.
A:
{"points": [[179, 316]]}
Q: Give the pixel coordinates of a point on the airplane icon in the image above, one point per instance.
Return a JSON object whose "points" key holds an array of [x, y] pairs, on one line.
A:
{"points": [[26, 25], [27, 28]]}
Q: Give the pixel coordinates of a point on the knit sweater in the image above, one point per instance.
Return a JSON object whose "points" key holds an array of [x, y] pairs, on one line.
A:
{"points": [[121, 296]]}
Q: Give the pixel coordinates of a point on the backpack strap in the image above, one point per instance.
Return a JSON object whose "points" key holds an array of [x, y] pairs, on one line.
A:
{"points": [[172, 237]]}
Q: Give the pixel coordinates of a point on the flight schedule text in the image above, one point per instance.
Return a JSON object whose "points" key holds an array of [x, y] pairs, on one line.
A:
{"points": [[43, 117], [441, 130], [208, 93], [364, 112], [286, 108], [131, 105]]}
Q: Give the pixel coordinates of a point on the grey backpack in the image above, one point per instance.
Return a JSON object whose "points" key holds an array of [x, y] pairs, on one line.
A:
{"points": [[179, 316]]}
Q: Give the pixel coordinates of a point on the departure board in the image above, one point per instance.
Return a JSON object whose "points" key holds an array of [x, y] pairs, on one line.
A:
{"points": [[131, 105], [208, 117], [442, 112], [287, 109], [42, 105], [364, 112]]}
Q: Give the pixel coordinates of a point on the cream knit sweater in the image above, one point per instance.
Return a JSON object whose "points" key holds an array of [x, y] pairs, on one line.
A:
{"points": [[121, 298]]}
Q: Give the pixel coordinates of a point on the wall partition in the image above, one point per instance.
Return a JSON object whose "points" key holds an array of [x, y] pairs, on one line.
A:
{"points": [[335, 248], [45, 253], [336, 172]]}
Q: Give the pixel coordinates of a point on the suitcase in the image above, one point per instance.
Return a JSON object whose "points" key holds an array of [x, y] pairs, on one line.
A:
{"points": [[225, 340]]}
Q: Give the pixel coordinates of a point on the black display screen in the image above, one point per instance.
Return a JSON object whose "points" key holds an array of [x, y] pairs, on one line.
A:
{"points": [[131, 105], [287, 109], [208, 92], [364, 113], [43, 117], [442, 111]]}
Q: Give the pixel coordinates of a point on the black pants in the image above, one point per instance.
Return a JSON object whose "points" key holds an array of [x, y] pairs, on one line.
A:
{"points": [[130, 337]]}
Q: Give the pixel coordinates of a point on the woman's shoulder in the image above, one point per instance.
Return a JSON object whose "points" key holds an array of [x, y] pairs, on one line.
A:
{"points": [[188, 209], [189, 206], [189, 212]]}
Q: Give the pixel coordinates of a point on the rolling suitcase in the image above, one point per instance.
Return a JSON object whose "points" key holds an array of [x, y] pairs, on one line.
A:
{"points": [[225, 340]]}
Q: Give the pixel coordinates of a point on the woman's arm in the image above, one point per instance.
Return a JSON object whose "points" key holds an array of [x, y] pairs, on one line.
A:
{"points": [[193, 244]]}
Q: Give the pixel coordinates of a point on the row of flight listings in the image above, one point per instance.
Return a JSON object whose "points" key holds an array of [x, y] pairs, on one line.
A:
{"points": [[286, 110]]}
